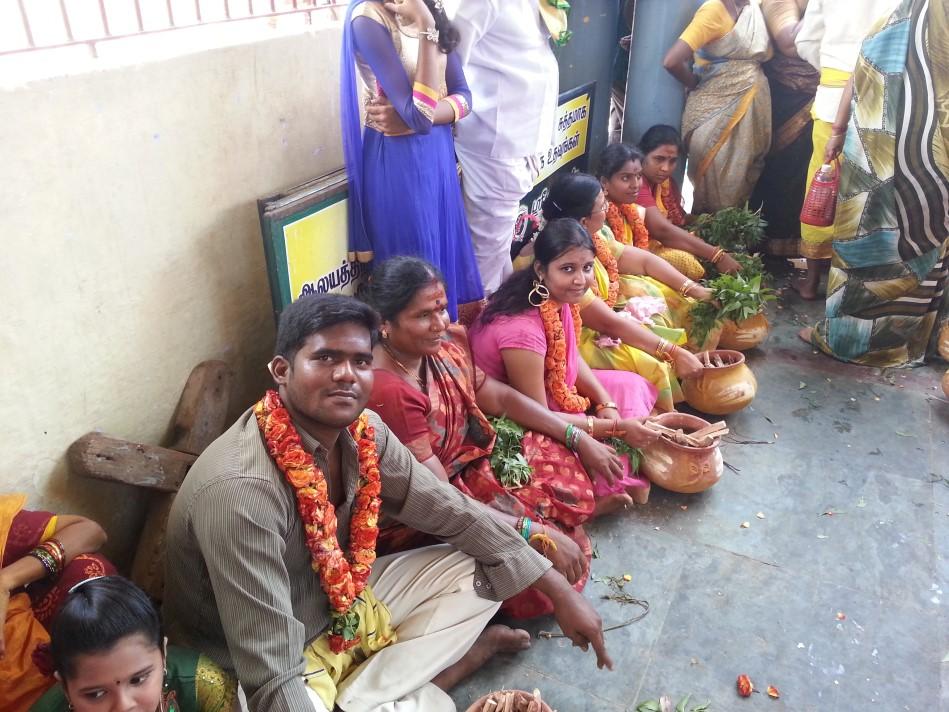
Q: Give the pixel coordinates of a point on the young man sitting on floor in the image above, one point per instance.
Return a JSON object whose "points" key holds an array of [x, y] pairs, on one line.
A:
{"points": [[257, 576]]}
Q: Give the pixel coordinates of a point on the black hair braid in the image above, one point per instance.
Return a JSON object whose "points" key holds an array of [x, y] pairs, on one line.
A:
{"points": [[448, 35]]}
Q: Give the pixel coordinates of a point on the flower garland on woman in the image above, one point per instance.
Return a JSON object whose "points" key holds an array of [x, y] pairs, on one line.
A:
{"points": [[555, 360], [606, 258], [618, 216], [342, 578]]}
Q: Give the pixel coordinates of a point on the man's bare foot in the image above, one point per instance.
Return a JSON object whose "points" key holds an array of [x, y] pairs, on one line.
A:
{"points": [[495, 639], [805, 288], [806, 334], [611, 503]]}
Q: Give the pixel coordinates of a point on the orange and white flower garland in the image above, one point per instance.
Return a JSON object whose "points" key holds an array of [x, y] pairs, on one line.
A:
{"points": [[617, 213], [606, 258], [555, 361], [343, 579]]}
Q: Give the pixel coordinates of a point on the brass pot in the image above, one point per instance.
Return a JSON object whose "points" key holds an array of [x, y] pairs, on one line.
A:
{"points": [[945, 383], [745, 334], [724, 389], [943, 344], [680, 468]]}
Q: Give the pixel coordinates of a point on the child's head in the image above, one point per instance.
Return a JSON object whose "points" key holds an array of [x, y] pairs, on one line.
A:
{"points": [[578, 196], [661, 146], [620, 172], [108, 647]]}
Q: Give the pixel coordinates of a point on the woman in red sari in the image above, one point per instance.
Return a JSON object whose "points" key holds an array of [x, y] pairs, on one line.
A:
{"points": [[42, 556], [430, 394]]}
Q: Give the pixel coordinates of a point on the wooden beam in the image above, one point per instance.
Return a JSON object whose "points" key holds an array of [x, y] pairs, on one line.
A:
{"points": [[202, 410], [115, 460]]}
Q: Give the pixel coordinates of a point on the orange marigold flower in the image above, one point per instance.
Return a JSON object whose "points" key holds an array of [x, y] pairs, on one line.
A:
{"points": [[555, 361], [745, 686], [619, 215]]}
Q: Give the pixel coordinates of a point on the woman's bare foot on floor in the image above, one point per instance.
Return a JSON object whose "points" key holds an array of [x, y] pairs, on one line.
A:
{"points": [[495, 639], [612, 503]]}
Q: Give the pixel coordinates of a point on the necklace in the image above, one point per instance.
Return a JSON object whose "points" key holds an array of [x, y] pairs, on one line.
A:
{"points": [[343, 577], [407, 372]]}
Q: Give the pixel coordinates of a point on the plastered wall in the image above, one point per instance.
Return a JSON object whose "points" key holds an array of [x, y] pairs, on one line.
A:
{"points": [[132, 251]]}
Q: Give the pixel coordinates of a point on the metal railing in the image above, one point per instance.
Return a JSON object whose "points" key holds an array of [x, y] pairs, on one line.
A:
{"points": [[32, 25]]}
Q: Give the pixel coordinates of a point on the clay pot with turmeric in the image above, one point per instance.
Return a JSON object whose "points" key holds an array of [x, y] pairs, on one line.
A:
{"points": [[726, 385], [682, 468], [745, 334]]}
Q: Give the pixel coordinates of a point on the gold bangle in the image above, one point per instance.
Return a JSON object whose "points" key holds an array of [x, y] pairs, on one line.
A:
{"points": [[590, 425], [604, 406], [686, 286], [661, 348], [717, 256]]}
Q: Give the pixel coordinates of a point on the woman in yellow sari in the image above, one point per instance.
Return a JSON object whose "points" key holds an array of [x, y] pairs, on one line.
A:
{"points": [[620, 169], [726, 125]]}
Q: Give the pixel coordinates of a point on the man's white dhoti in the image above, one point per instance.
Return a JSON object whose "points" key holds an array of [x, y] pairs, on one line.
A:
{"points": [[492, 188], [430, 594]]}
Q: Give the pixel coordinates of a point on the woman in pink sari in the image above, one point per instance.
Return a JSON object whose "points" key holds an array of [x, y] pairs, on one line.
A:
{"points": [[528, 337]]}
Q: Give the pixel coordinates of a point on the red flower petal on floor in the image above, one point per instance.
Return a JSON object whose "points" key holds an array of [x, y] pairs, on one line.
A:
{"points": [[745, 688]]}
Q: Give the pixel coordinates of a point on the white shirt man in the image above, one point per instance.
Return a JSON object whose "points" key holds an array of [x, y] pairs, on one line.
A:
{"points": [[514, 79]]}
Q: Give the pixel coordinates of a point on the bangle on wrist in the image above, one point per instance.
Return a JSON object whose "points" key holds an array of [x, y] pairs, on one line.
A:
{"points": [[604, 406], [686, 286], [590, 425], [715, 258]]}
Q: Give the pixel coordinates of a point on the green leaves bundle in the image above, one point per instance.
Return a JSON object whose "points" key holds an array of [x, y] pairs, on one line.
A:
{"points": [[735, 298], [734, 229], [507, 459]]}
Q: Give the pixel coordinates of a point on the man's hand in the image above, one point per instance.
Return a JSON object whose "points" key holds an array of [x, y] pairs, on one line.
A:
{"points": [[568, 559], [576, 617], [384, 117]]}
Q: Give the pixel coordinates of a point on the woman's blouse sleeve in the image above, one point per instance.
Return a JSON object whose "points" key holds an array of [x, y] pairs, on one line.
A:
{"points": [[405, 411], [710, 22], [415, 104], [522, 333]]}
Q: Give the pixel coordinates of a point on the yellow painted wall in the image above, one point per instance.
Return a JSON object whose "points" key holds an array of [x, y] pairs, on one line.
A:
{"points": [[132, 249]]}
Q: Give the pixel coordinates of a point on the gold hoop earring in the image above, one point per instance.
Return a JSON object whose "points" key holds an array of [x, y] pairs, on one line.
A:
{"points": [[539, 294], [384, 334]]}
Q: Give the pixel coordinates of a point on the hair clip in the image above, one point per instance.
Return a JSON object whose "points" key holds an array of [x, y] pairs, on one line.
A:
{"points": [[77, 586]]}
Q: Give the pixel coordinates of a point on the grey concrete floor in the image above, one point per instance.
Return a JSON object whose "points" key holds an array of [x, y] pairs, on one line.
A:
{"points": [[840, 612]]}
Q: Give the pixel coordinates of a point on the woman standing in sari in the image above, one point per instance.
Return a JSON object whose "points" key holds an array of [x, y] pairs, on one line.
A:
{"points": [[727, 120], [430, 394], [886, 290], [41, 557], [793, 82], [829, 39], [404, 192]]}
